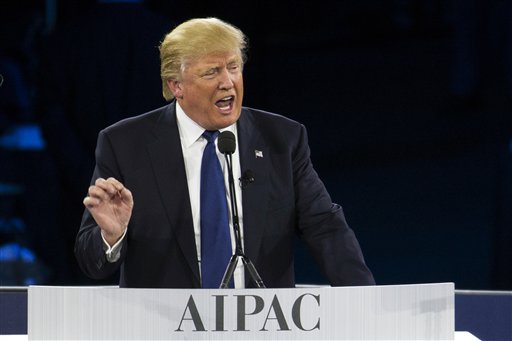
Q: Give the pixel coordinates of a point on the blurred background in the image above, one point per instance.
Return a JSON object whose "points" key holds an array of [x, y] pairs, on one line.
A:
{"points": [[408, 106]]}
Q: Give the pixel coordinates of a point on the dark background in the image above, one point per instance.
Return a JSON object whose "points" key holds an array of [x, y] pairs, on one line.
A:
{"points": [[408, 107]]}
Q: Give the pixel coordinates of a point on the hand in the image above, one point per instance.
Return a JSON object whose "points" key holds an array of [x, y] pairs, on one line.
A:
{"points": [[111, 205]]}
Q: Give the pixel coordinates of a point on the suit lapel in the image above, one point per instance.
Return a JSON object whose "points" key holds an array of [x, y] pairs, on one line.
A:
{"points": [[254, 156], [169, 169]]}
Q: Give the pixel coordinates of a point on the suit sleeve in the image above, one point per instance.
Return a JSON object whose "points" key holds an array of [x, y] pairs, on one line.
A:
{"points": [[89, 245], [322, 225]]}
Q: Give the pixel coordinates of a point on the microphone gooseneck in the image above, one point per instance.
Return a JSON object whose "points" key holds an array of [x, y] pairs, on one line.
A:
{"points": [[226, 143]]}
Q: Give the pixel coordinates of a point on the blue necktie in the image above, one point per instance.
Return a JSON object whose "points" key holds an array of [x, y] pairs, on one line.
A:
{"points": [[215, 238]]}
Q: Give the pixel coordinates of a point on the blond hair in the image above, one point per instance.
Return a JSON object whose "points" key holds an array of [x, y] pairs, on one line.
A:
{"points": [[193, 39]]}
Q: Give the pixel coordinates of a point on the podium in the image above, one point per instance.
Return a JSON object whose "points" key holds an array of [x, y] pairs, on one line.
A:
{"points": [[398, 312]]}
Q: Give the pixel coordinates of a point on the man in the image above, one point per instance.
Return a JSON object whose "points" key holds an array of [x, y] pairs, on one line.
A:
{"points": [[144, 207]]}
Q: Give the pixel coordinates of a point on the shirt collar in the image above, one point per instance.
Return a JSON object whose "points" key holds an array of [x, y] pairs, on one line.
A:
{"points": [[191, 131]]}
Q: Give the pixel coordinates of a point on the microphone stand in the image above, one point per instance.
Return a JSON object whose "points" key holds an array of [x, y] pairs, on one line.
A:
{"points": [[239, 252]]}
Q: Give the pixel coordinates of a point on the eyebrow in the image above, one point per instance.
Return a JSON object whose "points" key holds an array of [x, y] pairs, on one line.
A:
{"points": [[210, 66]]}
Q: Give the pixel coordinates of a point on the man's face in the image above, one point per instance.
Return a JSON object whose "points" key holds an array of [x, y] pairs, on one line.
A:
{"points": [[211, 89]]}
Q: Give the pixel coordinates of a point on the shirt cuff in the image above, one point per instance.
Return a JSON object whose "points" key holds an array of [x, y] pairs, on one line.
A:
{"points": [[113, 252]]}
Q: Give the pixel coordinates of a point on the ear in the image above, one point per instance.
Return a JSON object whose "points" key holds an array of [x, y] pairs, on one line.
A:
{"points": [[175, 87]]}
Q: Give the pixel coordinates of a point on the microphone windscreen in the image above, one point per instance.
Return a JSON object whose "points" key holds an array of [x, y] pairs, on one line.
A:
{"points": [[226, 142]]}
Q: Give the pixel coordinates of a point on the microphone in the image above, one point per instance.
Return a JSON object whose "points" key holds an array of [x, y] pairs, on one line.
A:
{"points": [[226, 142], [246, 179]]}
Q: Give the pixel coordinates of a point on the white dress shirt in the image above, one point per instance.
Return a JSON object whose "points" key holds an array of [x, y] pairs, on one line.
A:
{"points": [[192, 145]]}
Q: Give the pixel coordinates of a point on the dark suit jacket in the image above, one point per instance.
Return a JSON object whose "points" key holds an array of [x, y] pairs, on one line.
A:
{"points": [[286, 198]]}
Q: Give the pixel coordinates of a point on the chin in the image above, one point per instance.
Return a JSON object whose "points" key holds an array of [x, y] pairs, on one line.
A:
{"points": [[226, 122]]}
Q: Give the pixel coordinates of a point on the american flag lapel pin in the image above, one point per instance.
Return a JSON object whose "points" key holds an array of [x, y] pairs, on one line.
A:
{"points": [[258, 153]]}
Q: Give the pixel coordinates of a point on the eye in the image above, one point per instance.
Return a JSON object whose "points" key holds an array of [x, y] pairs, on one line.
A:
{"points": [[233, 67], [209, 73]]}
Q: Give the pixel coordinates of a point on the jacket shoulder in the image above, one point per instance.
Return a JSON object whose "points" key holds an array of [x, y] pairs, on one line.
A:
{"points": [[270, 119], [146, 119]]}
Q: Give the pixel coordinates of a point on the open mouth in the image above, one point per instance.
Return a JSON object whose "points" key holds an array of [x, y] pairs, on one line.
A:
{"points": [[225, 103]]}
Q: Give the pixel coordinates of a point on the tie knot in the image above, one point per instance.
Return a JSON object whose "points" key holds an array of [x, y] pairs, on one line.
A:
{"points": [[210, 135]]}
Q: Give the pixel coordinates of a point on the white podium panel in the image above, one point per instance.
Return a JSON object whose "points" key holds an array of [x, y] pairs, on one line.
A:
{"points": [[424, 311]]}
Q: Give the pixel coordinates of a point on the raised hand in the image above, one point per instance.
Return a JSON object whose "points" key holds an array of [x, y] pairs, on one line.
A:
{"points": [[111, 205]]}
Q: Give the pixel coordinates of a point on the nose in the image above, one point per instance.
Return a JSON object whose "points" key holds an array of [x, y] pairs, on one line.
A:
{"points": [[226, 80]]}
